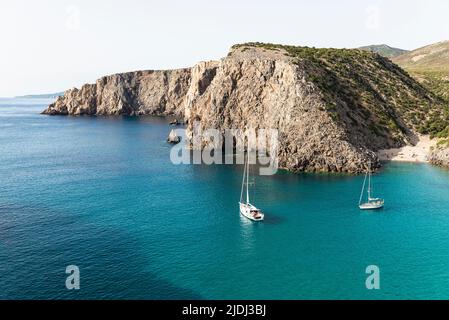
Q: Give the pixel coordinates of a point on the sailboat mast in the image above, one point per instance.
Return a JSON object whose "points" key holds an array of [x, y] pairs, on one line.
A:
{"points": [[247, 178], [363, 189], [243, 182], [369, 182]]}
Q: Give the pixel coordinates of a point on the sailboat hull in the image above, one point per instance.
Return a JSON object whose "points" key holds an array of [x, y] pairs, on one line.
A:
{"points": [[251, 212], [371, 206]]}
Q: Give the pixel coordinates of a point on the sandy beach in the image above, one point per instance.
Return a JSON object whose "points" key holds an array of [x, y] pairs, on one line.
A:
{"points": [[417, 153]]}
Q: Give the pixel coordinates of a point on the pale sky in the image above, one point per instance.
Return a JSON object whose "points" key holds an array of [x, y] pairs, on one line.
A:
{"points": [[53, 45]]}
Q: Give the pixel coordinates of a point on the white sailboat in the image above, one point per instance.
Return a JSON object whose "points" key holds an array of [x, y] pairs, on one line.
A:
{"points": [[246, 208], [371, 203]]}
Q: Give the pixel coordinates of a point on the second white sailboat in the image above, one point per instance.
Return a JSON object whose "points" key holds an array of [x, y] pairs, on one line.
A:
{"points": [[246, 208], [372, 203]]}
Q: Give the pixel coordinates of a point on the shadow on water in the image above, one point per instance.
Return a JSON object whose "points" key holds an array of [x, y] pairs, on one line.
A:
{"points": [[37, 244], [273, 219]]}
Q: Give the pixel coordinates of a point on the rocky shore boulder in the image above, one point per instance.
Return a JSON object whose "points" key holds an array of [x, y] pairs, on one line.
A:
{"points": [[173, 138], [439, 155]]}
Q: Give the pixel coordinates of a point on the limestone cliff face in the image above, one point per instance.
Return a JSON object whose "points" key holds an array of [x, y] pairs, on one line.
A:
{"points": [[133, 93], [265, 90], [333, 108]]}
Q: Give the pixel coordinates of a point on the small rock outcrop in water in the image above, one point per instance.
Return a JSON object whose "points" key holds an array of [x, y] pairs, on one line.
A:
{"points": [[333, 107], [173, 138]]}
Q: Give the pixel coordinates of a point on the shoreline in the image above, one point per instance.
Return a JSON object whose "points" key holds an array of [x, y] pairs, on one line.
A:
{"points": [[418, 153]]}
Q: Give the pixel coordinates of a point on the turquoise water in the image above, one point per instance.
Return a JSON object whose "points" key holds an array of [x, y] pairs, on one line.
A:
{"points": [[101, 193]]}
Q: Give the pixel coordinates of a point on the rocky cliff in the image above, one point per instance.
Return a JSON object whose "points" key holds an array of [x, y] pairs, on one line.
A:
{"points": [[132, 93], [333, 108]]}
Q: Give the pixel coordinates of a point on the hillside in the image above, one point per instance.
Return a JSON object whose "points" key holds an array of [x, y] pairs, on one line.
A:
{"points": [[364, 88], [333, 107], [384, 50], [430, 66]]}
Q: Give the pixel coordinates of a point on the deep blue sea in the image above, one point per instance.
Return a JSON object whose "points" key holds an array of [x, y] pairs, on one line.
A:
{"points": [[102, 194]]}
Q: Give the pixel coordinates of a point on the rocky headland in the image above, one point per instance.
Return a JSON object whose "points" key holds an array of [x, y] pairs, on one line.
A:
{"points": [[334, 108]]}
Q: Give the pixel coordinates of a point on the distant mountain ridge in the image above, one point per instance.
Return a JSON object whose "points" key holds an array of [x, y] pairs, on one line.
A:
{"points": [[41, 96], [433, 57], [384, 50], [430, 66]]}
